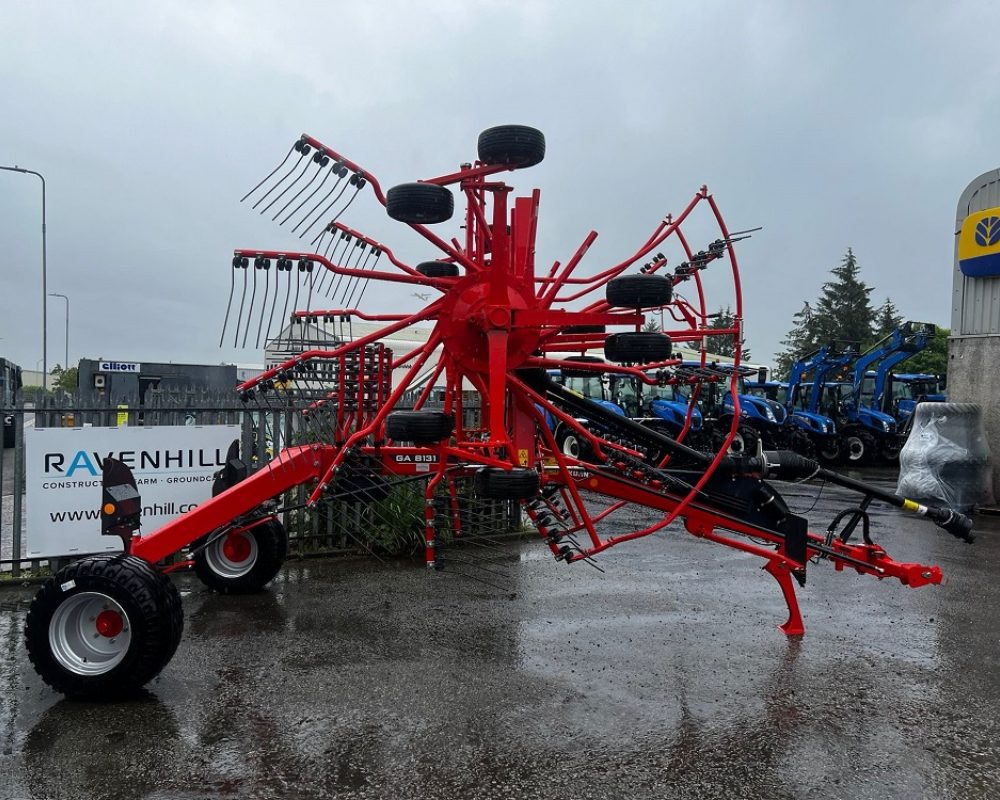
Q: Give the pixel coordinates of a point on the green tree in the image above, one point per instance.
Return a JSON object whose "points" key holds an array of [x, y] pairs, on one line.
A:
{"points": [[844, 312], [801, 339], [887, 319], [66, 379], [651, 326], [933, 359], [725, 344]]}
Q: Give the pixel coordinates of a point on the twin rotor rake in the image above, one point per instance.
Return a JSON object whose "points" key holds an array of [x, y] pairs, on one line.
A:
{"points": [[496, 326]]}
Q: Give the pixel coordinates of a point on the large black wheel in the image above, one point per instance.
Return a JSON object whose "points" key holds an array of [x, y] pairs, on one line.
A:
{"points": [[744, 442], [503, 484], [438, 269], [829, 450], [802, 443], [571, 444], [859, 448], [244, 562], [103, 626], [513, 145], [637, 347], [420, 203], [419, 427], [570, 372], [639, 291]]}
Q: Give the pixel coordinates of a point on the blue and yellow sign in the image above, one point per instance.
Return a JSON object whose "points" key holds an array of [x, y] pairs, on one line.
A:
{"points": [[979, 244]]}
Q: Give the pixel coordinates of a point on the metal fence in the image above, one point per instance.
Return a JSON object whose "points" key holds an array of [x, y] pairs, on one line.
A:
{"points": [[355, 523]]}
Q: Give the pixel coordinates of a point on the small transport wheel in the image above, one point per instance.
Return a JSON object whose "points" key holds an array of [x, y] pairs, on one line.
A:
{"points": [[438, 269], [103, 626], [639, 291], [570, 443], [503, 484], [513, 145], [570, 372], [242, 563], [420, 203], [637, 347], [419, 427]]}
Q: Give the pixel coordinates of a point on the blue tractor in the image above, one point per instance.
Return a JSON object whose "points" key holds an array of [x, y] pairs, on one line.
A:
{"points": [[903, 391], [586, 383], [867, 431], [804, 399]]}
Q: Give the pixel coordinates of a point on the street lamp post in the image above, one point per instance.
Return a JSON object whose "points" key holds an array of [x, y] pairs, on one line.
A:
{"points": [[64, 297], [45, 352]]}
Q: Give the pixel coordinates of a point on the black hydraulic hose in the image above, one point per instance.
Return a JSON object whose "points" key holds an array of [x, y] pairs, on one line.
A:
{"points": [[780, 464]]}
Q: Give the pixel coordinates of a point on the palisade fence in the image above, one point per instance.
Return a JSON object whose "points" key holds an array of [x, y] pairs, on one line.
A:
{"points": [[386, 523]]}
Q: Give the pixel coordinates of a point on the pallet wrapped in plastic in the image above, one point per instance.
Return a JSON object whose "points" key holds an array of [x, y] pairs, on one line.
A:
{"points": [[946, 457]]}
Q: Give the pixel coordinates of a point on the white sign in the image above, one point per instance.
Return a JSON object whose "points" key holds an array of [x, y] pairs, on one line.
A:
{"points": [[172, 464], [119, 366]]}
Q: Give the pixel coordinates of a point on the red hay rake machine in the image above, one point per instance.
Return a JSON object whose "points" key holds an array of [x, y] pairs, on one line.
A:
{"points": [[500, 327]]}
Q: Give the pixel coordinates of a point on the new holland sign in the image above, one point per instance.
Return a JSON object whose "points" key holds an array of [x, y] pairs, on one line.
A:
{"points": [[979, 244], [173, 467]]}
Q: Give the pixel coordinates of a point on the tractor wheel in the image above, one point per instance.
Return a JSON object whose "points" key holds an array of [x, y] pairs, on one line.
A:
{"points": [[859, 448], [438, 269], [513, 145], [569, 372], [242, 563], [420, 203], [744, 443], [503, 484], [890, 448], [829, 450], [570, 443], [639, 291], [419, 427], [802, 443], [637, 347], [103, 626]]}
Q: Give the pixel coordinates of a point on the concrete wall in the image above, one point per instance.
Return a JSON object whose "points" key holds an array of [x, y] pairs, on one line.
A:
{"points": [[973, 367]]}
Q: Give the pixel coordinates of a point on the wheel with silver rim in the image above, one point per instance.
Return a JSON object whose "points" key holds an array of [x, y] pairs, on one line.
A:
{"points": [[240, 562], [103, 626]]}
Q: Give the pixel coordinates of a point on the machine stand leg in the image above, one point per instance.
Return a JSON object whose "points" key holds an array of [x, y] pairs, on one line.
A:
{"points": [[783, 575]]}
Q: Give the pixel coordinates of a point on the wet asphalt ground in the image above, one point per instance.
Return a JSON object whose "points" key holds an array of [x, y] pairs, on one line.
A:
{"points": [[664, 677]]}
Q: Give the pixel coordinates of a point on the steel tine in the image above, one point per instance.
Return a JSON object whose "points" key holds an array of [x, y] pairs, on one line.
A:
{"points": [[323, 163], [257, 266], [316, 159], [357, 190], [279, 268], [282, 179], [255, 188], [312, 277], [305, 168], [340, 171], [244, 267], [289, 268], [361, 247], [378, 255], [346, 238], [263, 305], [326, 210], [232, 291], [327, 274]]}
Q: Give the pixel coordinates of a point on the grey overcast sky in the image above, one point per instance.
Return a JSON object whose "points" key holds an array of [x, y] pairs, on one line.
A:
{"points": [[831, 124]]}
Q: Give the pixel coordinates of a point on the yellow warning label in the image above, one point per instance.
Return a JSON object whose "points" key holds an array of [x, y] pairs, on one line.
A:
{"points": [[122, 416], [522, 457], [909, 505]]}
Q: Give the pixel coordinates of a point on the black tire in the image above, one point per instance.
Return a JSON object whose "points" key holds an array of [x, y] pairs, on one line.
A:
{"points": [[829, 450], [889, 449], [513, 145], [637, 347], [571, 444], [639, 291], [438, 269], [103, 626], [802, 443], [419, 427], [585, 329], [420, 203], [744, 442], [242, 563], [502, 484], [859, 448], [569, 372]]}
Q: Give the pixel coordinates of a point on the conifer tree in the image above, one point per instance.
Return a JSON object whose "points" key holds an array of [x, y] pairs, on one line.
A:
{"points": [[887, 319], [725, 345], [844, 312]]}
